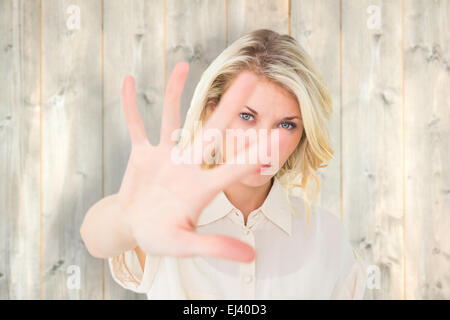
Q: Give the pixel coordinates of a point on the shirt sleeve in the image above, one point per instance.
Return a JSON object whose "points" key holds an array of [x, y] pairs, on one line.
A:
{"points": [[127, 271], [353, 283]]}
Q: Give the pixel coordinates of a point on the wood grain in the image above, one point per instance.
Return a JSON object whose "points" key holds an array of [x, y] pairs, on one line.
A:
{"points": [[372, 139], [427, 149], [19, 150], [65, 145], [71, 146]]}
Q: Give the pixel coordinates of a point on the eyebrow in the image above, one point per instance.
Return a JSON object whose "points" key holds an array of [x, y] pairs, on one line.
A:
{"points": [[285, 118]]}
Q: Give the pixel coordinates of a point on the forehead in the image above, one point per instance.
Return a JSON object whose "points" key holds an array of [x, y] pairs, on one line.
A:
{"points": [[270, 96]]}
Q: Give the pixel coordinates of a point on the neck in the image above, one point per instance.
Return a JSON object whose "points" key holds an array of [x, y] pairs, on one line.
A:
{"points": [[246, 198]]}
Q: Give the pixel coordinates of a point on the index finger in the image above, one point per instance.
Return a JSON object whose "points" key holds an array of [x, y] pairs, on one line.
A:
{"points": [[233, 99], [230, 103], [171, 108], [134, 121]]}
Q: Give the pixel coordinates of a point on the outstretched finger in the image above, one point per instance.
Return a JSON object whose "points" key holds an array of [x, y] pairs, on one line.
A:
{"points": [[218, 246], [230, 104], [245, 162], [134, 121], [171, 110], [232, 101]]}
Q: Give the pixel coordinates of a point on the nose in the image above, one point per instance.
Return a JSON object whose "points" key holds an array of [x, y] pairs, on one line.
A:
{"points": [[268, 146], [268, 143]]}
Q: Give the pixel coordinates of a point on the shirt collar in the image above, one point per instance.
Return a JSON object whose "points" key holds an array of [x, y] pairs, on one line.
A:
{"points": [[275, 208]]}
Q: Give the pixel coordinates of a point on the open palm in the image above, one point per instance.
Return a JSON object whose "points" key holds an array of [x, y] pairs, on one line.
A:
{"points": [[163, 199]]}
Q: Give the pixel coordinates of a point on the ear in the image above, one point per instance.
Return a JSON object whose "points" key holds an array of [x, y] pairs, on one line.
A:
{"points": [[210, 109]]}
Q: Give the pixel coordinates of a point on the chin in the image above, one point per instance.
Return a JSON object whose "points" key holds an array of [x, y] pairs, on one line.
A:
{"points": [[256, 179]]}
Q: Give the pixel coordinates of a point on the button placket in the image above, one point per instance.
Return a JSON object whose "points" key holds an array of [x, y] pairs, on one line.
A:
{"points": [[247, 270], [237, 217], [247, 279]]}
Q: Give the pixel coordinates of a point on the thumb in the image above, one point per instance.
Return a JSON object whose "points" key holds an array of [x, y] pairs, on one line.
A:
{"points": [[219, 246]]}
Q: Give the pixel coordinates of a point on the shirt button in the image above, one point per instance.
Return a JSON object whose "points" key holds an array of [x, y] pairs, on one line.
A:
{"points": [[246, 231], [236, 213], [248, 278]]}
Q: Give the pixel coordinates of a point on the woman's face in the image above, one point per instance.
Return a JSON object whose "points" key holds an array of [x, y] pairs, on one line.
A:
{"points": [[274, 114]]}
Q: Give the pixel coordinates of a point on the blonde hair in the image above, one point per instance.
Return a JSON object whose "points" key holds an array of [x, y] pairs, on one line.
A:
{"points": [[281, 60]]}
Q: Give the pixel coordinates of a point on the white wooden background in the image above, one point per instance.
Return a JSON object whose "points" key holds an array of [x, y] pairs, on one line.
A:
{"points": [[64, 143]]}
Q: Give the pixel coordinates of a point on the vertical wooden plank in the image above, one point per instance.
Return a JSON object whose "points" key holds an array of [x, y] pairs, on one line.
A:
{"points": [[245, 16], [196, 33], [315, 25], [372, 139], [71, 145], [427, 148], [19, 149], [133, 45]]}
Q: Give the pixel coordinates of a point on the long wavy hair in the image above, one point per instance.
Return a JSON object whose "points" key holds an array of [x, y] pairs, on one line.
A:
{"points": [[281, 60]]}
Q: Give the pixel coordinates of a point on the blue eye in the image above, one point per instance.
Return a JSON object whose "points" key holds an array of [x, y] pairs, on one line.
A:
{"points": [[291, 124], [245, 116]]}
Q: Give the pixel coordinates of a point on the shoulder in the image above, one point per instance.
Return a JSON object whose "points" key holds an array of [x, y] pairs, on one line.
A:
{"points": [[320, 218], [330, 241], [325, 226]]}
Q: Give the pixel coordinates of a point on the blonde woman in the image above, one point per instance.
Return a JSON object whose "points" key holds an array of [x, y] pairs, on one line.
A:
{"points": [[216, 228]]}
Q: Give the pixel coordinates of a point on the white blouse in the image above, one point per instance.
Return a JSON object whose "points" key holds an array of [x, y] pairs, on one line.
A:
{"points": [[290, 262]]}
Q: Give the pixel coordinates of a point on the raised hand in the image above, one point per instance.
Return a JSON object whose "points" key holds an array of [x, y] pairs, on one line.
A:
{"points": [[162, 199]]}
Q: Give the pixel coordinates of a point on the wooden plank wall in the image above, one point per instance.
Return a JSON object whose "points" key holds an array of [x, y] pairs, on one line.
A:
{"points": [[64, 144]]}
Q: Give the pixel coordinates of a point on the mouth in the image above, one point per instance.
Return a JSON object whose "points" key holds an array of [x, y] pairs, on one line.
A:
{"points": [[264, 166]]}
